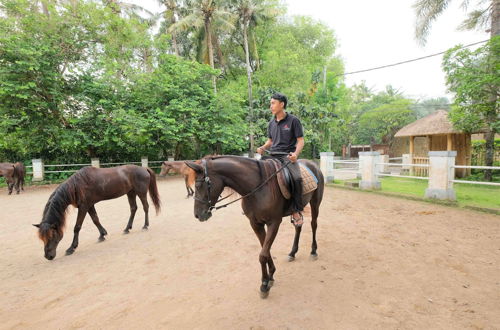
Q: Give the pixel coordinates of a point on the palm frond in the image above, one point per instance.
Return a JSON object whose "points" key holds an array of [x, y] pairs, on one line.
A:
{"points": [[427, 11]]}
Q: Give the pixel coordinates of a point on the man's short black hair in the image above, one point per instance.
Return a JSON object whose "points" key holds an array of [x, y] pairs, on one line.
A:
{"points": [[280, 97]]}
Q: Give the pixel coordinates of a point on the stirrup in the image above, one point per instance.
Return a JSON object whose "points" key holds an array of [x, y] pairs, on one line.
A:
{"points": [[294, 221]]}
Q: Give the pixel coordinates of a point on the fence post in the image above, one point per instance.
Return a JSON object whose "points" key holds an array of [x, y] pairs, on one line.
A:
{"points": [[383, 168], [326, 165], [144, 161], [407, 159], [441, 174], [367, 161], [170, 159], [95, 162], [38, 170]]}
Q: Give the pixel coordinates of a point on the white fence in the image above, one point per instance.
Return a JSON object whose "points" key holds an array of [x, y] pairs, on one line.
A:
{"points": [[441, 169], [39, 169]]}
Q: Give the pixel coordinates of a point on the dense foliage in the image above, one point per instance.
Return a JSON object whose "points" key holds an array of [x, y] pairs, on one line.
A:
{"points": [[84, 78]]}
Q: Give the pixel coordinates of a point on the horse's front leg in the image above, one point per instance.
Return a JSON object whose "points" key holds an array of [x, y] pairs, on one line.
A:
{"points": [[82, 212], [97, 223], [265, 258], [188, 188]]}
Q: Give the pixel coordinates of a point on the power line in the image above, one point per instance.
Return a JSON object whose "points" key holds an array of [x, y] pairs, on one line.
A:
{"points": [[408, 61]]}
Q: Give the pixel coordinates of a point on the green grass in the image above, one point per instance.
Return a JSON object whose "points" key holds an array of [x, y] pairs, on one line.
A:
{"points": [[467, 194]]}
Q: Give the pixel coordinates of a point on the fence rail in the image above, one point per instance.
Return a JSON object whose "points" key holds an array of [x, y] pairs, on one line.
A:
{"points": [[440, 172]]}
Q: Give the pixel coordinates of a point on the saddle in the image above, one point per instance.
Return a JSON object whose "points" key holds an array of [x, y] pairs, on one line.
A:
{"points": [[309, 180]]}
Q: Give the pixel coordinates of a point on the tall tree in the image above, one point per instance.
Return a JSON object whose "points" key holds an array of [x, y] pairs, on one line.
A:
{"points": [[487, 15], [474, 76], [206, 15], [250, 12]]}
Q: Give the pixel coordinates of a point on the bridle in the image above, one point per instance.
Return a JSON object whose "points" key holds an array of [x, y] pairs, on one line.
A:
{"points": [[206, 179]]}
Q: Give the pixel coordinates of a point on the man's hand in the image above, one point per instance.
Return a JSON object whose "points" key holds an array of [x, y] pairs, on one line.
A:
{"points": [[293, 157], [260, 150]]}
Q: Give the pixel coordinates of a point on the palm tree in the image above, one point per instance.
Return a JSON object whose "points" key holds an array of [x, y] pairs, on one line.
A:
{"points": [[429, 10], [487, 16], [207, 16], [250, 13]]}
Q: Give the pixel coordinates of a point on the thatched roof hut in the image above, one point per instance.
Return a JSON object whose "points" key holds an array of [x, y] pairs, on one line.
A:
{"points": [[440, 135]]}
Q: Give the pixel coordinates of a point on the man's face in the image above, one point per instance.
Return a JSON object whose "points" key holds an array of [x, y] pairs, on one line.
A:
{"points": [[276, 106]]}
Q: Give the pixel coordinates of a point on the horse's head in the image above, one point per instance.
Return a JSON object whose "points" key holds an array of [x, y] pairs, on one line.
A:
{"points": [[208, 188], [51, 235], [165, 167]]}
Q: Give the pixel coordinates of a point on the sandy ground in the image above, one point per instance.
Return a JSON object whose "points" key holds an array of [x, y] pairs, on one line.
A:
{"points": [[384, 263]]}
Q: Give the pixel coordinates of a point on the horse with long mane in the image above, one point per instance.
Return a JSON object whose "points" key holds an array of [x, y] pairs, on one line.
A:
{"points": [[85, 188], [262, 201], [180, 167], [12, 175]]}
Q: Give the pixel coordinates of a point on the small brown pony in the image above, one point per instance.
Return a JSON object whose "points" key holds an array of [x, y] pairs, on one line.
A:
{"points": [[14, 175], [264, 206], [87, 187], [181, 168]]}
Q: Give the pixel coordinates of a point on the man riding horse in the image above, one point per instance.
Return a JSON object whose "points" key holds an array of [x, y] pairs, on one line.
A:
{"points": [[285, 135]]}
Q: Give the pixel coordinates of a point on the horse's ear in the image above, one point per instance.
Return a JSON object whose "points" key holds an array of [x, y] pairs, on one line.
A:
{"points": [[53, 226], [37, 225], [197, 168]]}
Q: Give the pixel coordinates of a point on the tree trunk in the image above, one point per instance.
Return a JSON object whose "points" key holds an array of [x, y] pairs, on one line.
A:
{"points": [[171, 8], [208, 35], [249, 79]]}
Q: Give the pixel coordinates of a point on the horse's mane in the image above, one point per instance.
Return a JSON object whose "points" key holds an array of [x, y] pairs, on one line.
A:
{"points": [[68, 192]]}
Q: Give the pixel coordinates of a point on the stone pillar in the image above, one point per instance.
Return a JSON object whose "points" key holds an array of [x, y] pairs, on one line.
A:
{"points": [[144, 161], [383, 168], [441, 174], [326, 165], [95, 162], [367, 161], [38, 170], [407, 159], [170, 159]]}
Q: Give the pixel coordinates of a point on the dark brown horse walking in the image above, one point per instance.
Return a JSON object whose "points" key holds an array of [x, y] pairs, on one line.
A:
{"points": [[264, 208], [87, 187], [181, 168], [12, 175]]}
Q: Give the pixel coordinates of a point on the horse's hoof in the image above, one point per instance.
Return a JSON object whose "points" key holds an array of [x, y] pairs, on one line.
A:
{"points": [[291, 258], [101, 239], [126, 231], [264, 294], [69, 252], [144, 228], [270, 284], [314, 256]]}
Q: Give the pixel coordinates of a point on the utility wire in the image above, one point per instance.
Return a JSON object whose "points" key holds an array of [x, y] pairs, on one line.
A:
{"points": [[408, 61]]}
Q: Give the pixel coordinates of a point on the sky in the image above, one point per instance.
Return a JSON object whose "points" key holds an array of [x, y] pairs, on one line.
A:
{"points": [[374, 33]]}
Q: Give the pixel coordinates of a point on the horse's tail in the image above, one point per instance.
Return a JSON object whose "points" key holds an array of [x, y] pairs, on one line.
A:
{"points": [[20, 172], [153, 190]]}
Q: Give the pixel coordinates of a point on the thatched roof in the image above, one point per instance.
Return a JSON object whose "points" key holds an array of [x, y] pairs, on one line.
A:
{"points": [[433, 124]]}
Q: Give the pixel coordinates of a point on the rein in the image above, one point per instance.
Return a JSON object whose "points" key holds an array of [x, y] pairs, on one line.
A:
{"points": [[209, 184]]}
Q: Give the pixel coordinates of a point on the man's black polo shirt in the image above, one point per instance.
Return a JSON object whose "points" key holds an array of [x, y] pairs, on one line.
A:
{"points": [[284, 133]]}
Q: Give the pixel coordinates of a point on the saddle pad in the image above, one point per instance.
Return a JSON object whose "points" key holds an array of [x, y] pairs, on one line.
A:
{"points": [[309, 181]]}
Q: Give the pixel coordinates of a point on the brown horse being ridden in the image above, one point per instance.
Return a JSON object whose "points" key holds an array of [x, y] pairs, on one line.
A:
{"points": [[87, 187], [181, 168], [262, 201], [14, 175]]}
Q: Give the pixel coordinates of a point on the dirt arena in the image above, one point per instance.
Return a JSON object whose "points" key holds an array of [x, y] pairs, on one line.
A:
{"points": [[384, 263]]}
